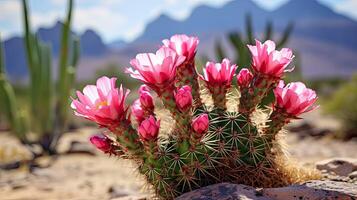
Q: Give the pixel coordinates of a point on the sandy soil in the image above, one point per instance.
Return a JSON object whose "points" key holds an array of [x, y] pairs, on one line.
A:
{"points": [[77, 177]]}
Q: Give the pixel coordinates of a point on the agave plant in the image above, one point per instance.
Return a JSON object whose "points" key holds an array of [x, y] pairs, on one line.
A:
{"points": [[207, 133], [48, 100]]}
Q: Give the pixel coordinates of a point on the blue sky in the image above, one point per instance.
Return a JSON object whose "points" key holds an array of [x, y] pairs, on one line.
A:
{"points": [[122, 19]]}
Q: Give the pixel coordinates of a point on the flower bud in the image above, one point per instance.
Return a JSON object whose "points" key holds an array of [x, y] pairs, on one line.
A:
{"points": [[244, 77], [137, 111], [144, 88], [101, 142], [183, 98], [149, 128], [200, 124], [146, 101]]}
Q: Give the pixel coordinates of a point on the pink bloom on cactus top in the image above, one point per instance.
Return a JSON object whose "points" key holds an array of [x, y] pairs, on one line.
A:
{"points": [[183, 98], [268, 61], [102, 103], [219, 74], [244, 77], [183, 45], [294, 98], [200, 124], [101, 142], [149, 128], [156, 70], [137, 111]]}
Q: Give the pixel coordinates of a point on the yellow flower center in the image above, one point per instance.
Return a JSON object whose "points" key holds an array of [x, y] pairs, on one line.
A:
{"points": [[100, 104]]}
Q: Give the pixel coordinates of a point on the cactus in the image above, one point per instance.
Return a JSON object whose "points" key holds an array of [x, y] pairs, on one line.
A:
{"points": [[210, 134], [48, 105]]}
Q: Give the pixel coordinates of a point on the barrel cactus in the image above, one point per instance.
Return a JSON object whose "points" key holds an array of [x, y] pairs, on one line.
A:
{"points": [[208, 132]]}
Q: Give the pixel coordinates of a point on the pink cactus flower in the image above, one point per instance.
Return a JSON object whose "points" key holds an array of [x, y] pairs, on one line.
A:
{"points": [[149, 129], [200, 124], [102, 103], [219, 74], [183, 45], [294, 98], [137, 111], [102, 142], [244, 77], [156, 70], [183, 98], [268, 61]]}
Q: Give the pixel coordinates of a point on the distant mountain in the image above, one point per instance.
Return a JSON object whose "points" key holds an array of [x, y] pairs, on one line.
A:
{"points": [[15, 57], [316, 26], [325, 41]]}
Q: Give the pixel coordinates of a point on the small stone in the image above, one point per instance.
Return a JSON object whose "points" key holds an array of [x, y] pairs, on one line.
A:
{"points": [[339, 166], [353, 175], [16, 186], [80, 148], [119, 191]]}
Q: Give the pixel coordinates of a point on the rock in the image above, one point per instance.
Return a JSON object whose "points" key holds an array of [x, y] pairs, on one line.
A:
{"points": [[353, 175], [302, 127], [309, 190], [339, 166], [223, 191], [314, 190], [120, 192], [80, 148], [305, 129]]}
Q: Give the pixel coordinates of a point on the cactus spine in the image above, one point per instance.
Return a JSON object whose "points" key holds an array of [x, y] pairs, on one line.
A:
{"points": [[45, 100]]}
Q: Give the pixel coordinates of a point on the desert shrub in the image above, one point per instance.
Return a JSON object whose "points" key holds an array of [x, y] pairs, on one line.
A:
{"points": [[343, 105]]}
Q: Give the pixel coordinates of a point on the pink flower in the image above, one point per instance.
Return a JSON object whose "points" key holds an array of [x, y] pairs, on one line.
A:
{"points": [[183, 45], [219, 74], [268, 61], [183, 98], [137, 111], [102, 103], [200, 124], [294, 98], [244, 77], [149, 128], [156, 70], [101, 142]]}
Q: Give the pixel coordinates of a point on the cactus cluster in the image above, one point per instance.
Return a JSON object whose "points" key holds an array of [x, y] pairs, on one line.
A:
{"points": [[48, 105], [213, 132]]}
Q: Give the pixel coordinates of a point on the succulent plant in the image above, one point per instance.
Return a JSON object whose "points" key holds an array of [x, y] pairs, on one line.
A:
{"points": [[48, 104], [212, 134]]}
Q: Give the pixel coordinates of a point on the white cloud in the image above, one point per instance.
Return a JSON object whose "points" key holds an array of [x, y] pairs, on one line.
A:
{"points": [[10, 18], [9, 9], [132, 32], [348, 7], [100, 18]]}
